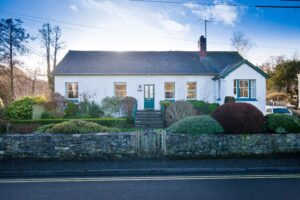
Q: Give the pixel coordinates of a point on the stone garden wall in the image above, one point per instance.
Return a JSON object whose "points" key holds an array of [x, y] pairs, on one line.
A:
{"points": [[142, 145], [68, 146], [218, 145]]}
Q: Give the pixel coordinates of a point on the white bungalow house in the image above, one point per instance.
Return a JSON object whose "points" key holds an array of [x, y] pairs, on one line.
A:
{"points": [[152, 76]]}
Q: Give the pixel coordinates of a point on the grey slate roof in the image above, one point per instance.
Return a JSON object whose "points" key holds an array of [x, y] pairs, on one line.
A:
{"points": [[227, 70], [145, 62]]}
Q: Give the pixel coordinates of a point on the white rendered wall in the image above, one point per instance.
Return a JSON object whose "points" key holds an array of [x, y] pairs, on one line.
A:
{"points": [[246, 72], [102, 86]]}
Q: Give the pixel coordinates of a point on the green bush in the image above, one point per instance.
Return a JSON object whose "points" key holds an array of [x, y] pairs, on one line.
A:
{"points": [[165, 103], [47, 115], [229, 99], [110, 122], [203, 107], [111, 105], [71, 110], [22, 109], [279, 123], [90, 108], [202, 124], [77, 126]]}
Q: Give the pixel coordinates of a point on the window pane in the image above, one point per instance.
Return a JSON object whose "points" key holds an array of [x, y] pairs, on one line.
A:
{"points": [[72, 94], [191, 86], [169, 95], [74, 86], [120, 93], [191, 95], [191, 90], [120, 86], [151, 91], [120, 89], [72, 90], [146, 92], [169, 86], [169, 90]]}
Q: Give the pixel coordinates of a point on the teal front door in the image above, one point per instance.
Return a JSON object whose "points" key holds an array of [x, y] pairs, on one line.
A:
{"points": [[149, 96]]}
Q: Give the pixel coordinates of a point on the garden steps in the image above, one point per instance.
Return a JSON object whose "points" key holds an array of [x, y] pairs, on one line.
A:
{"points": [[149, 119]]}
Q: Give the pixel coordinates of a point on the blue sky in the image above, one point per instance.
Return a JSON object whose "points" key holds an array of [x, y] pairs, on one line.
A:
{"points": [[126, 25]]}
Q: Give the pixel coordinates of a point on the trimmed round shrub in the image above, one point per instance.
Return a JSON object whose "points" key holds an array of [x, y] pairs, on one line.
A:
{"points": [[279, 123], [22, 108], [77, 126], [179, 110], [239, 118], [203, 124]]}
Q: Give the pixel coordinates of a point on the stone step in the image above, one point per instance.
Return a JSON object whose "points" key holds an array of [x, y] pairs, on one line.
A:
{"points": [[149, 126], [149, 119], [148, 114], [149, 123]]}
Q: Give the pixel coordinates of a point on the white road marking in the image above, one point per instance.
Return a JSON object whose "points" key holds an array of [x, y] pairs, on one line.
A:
{"points": [[153, 178]]}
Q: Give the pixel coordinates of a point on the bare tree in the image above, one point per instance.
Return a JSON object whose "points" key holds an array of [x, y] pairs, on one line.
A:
{"points": [[34, 77], [50, 38], [57, 45], [240, 42], [12, 44]]}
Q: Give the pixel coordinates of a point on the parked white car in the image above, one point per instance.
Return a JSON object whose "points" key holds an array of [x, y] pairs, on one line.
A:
{"points": [[278, 110]]}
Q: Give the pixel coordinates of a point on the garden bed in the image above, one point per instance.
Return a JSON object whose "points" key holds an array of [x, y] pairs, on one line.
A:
{"points": [[29, 126]]}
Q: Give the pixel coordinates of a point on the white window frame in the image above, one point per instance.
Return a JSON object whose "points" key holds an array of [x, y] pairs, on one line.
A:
{"points": [[251, 88], [67, 90], [173, 91], [191, 90], [244, 88], [115, 91]]}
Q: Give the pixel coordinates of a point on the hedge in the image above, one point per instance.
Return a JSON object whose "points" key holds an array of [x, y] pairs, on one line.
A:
{"points": [[204, 108], [279, 123], [109, 122], [76, 126]]}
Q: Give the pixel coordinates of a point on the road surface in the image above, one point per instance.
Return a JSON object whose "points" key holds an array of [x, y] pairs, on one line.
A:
{"points": [[224, 187]]}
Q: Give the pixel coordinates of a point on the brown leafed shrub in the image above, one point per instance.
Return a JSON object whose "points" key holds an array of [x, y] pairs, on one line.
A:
{"points": [[240, 118], [127, 106], [56, 105], [179, 110]]}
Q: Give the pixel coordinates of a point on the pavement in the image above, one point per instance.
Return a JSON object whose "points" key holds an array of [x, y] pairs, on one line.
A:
{"points": [[98, 168]]}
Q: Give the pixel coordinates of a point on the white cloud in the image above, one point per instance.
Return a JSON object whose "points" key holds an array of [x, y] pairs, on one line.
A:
{"points": [[137, 19], [73, 7], [227, 14]]}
